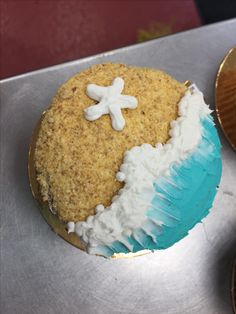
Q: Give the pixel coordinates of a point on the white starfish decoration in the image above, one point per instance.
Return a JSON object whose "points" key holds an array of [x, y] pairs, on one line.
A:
{"points": [[110, 101]]}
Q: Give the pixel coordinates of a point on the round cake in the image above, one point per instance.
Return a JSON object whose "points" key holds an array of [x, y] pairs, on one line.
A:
{"points": [[128, 158]]}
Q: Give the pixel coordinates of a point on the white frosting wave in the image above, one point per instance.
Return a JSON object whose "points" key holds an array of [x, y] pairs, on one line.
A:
{"points": [[110, 102], [141, 167]]}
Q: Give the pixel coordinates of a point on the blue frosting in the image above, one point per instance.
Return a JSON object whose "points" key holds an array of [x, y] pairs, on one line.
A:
{"points": [[182, 199]]}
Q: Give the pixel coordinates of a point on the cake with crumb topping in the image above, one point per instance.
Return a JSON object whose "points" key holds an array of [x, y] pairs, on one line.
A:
{"points": [[123, 154]]}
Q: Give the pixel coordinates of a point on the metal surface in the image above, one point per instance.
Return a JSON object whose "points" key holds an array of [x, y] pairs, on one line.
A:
{"points": [[41, 273]]}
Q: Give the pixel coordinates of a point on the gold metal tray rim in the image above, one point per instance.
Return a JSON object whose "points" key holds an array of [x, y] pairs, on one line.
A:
{"points": [[232, 50]]}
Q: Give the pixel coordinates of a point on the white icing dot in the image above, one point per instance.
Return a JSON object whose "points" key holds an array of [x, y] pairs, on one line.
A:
{"points": [[173, 123], [174, 132], [70, 227], [99, 208], [159, 146], [90, 220], [114, 198], [120, 191], [120, 176], [146, 146]]}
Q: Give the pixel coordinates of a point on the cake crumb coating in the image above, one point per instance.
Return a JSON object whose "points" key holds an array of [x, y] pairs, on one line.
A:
{"points": [[77, 160]]}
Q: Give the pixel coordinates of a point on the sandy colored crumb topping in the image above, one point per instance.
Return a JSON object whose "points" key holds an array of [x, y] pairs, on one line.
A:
{"points": [[77, 160]]}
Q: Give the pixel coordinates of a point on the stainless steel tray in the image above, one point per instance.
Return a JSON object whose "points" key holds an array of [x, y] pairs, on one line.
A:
{"points": [[41, 273]]}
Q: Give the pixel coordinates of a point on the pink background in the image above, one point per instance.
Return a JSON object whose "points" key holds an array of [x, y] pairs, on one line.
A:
{"points": [[40, 33]]}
